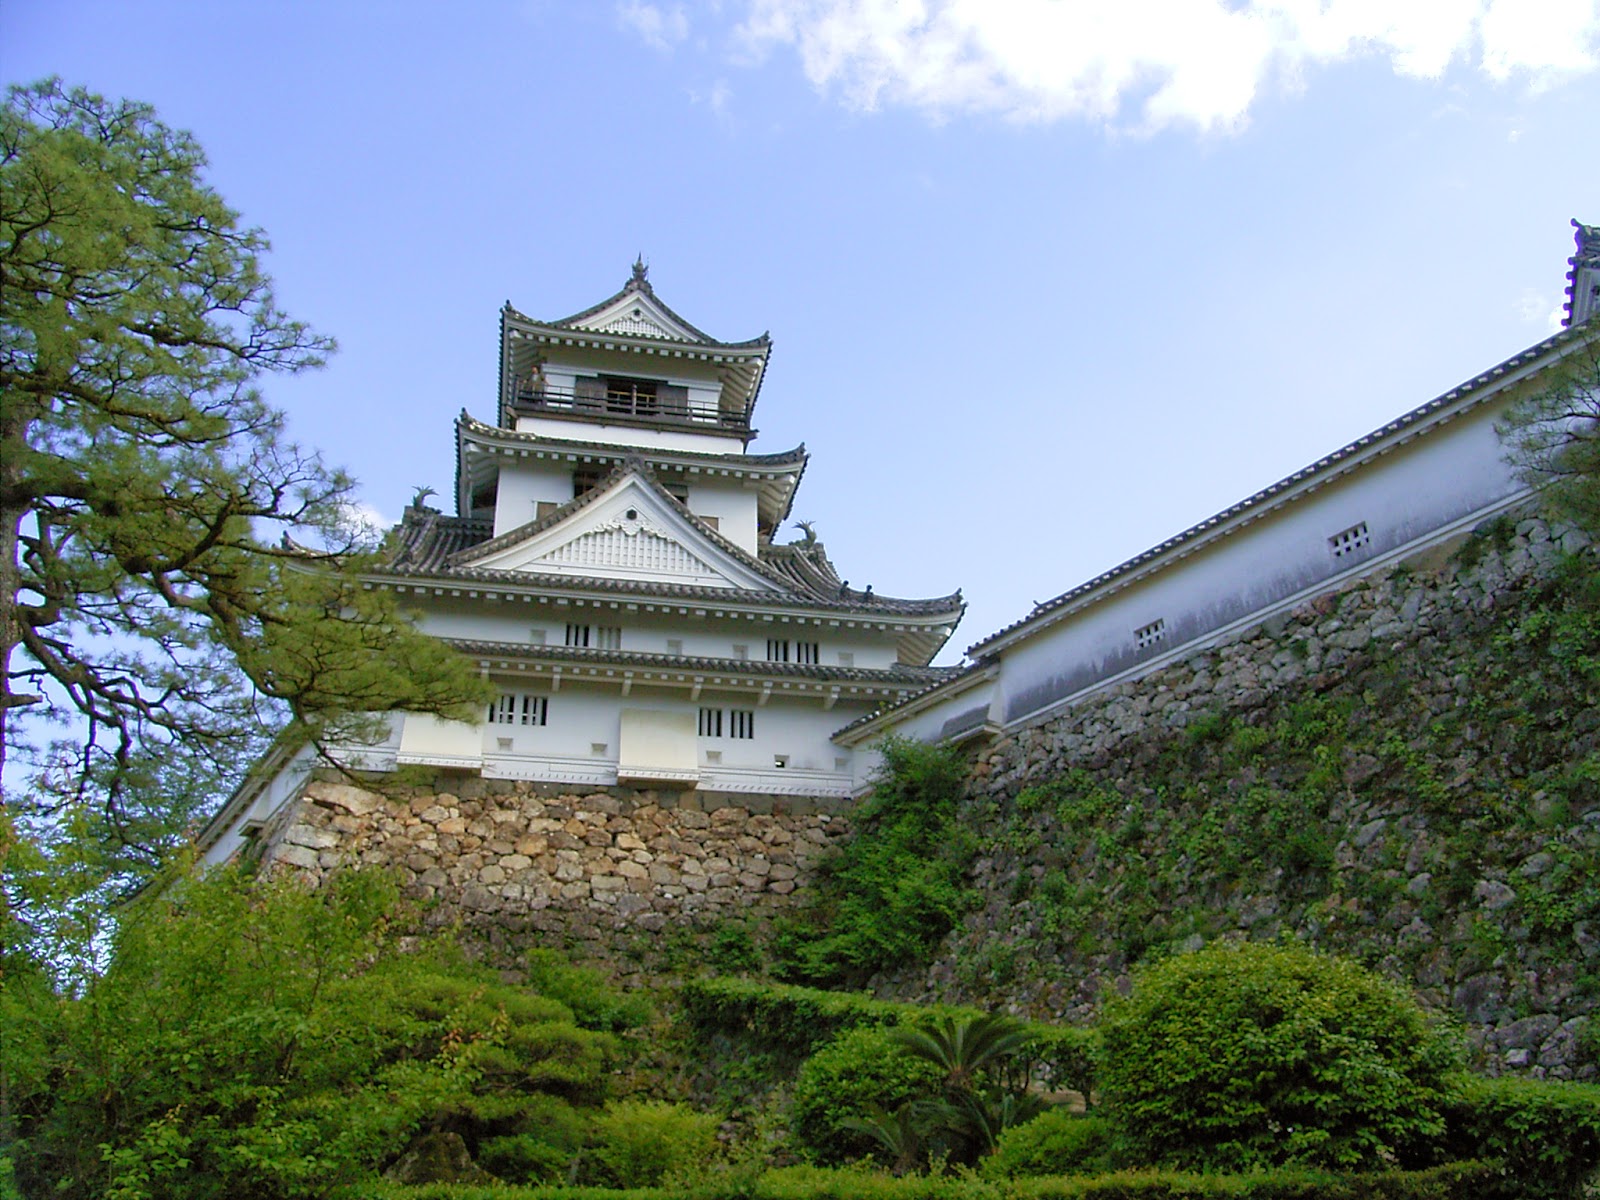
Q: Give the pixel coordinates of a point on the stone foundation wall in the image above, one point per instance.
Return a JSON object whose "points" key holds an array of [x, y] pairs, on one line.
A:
{"points": [[1461, 855], [527, 863]]}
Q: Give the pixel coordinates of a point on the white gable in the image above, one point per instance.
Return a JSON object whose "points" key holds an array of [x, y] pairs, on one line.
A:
{"points": [[638, 314], [630, 533]]}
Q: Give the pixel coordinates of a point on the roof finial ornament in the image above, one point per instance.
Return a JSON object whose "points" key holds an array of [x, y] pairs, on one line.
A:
{"points": [[641, 269]]}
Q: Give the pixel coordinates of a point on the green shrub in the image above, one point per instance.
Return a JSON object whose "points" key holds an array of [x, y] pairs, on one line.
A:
{"points": [[1067, 1058], [553, 1137], [860, 1071], [256, 1038], [1057, 1142], [1245, 1056], [645, 1143], [1545, 1132], [789, 1020], [595, 1002], [888, 895]]}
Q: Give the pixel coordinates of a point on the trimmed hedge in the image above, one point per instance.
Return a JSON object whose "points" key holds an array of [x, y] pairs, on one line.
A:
{"points": [[1545, 1132], [789, 1020], [794, 1022], [1480, 1181], [1056, 1142]]}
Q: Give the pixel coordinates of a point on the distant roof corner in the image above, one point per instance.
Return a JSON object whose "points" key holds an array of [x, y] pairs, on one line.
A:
{"points": [[1583, 277]]}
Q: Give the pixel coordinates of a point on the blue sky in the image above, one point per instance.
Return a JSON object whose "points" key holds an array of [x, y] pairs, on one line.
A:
{"points": [[1047, 282]]}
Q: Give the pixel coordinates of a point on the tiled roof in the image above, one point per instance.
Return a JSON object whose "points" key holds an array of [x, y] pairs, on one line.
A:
{"points": [[1262, 498], [951, 675], [639, 283], [437, 547], [900, 675], [611, 450]]}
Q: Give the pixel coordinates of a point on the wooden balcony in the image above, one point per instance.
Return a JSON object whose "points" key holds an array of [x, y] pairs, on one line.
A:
{"points": [[656, 406]]}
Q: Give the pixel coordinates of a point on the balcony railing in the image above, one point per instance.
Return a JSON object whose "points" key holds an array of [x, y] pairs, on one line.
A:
{"points": [[666, 406]]}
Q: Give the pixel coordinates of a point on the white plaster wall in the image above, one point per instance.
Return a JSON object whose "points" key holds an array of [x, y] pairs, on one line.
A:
{"points": [[734, 507], [1456, 473], [582, 718], [522, 486], [706, 637], [282, 788]]}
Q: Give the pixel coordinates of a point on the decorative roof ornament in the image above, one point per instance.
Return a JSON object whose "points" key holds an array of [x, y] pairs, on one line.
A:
{"points": [[1583, 279], [640, 282]]}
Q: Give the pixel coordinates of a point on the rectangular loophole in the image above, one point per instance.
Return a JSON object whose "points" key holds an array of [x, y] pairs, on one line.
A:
{"points": [[1149, 635], [1348, 541]]}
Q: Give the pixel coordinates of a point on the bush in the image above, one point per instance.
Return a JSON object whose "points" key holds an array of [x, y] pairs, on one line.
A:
{"points": [[860, 1071], [786, 1019], [1057, 1142], [1245, 1056], [1545, 1133], [645, 1143], [274, 1041], [889, 895], [547, 1151]]}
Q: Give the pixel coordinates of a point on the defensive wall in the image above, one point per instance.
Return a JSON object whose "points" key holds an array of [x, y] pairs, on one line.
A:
{"points": [[1438, 860]]}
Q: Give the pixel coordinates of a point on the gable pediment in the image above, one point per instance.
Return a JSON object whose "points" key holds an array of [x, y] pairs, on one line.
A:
{"points": [[638, 314], [630, 533]]}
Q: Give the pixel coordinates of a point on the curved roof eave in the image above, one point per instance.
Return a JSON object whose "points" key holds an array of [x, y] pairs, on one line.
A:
{"points": [[899, 676], [454, 568], [569, 325], [470, 425]]}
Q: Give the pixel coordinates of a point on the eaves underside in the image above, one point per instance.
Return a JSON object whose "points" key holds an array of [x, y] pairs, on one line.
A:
{"points": [[898, 677], [487, 582], [753, 464]]}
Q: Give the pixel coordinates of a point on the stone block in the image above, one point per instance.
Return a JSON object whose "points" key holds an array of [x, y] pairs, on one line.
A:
{"points": [[296, 856], [351, 799], [315, 839]]}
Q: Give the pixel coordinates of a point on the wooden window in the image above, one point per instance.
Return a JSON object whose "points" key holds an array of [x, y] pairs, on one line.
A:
{"points": [[585, 479], [578, 635], [631, 397], [741, 723], [807, 652], [777, 649], [608, 637], [1149, 635], [711, 722], [520, 708]]}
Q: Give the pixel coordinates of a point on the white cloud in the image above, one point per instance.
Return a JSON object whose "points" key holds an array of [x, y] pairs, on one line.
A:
{"points": [[1151, 63], [1535, 308], [662, 28], [362, 524]]}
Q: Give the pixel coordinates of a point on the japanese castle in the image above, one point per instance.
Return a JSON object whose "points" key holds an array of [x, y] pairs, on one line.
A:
{"points": [[611, 568]]}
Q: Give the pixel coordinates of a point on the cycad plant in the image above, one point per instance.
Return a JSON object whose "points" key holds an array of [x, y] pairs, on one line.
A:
{"points": [[984, 1091]]}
